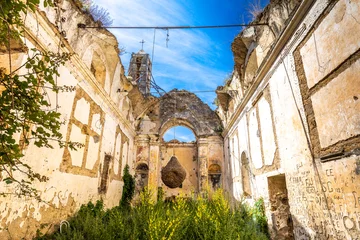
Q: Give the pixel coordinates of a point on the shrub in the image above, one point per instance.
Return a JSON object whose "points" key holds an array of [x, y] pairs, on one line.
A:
{"points": [[185, 218], [128, 189], [99, 14]]}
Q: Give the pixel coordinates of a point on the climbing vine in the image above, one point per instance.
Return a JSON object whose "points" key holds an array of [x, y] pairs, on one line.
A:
{"points": [[25, 108]]}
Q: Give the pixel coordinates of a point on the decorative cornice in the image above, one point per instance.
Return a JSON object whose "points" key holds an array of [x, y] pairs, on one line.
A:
{"points": [[77, 63], [264, 70]]}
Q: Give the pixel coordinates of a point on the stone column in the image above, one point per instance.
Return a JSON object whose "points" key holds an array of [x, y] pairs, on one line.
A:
{"points": [[142, 156], [154, 164], [142, 149], [203, 163]]}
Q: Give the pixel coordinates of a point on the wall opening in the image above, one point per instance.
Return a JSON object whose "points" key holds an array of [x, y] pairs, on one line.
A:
{"points": [[282, 226], [179, 134], [98, 68], [141, 177], [250, 70], [214, 173], [245, 175], [179, 162], [105, 174]]}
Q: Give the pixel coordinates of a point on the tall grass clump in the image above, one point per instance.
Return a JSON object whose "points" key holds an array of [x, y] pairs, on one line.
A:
{"points": [[208, 217]]}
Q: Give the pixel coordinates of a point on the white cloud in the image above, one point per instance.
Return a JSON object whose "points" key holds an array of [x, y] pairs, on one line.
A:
{"points": [[168, 136], [188, 61], [183, 134]]}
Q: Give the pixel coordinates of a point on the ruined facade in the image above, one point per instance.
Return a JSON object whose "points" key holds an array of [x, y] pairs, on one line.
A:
{"points": [[96, 113], [197, 159], [117, 120], [291, 116], [287, 128]]}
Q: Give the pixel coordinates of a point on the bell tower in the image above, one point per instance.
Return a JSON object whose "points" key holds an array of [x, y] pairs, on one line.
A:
{"points": [[140, 70]]}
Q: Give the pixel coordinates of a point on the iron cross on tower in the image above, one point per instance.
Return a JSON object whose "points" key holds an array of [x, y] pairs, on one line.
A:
{"points": [[142, 44]]}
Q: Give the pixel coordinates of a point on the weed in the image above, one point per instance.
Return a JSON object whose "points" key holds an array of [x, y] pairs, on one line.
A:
{"points": [[208, 217]]}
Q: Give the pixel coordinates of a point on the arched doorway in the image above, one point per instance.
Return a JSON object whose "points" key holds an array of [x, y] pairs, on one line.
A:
{"points": [[179, 108], [179, 165]]}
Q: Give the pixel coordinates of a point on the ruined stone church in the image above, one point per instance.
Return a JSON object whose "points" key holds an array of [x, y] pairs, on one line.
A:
{"points": [[287, 126]]}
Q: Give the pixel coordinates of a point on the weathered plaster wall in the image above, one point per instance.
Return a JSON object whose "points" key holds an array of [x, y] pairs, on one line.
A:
{"points": [[180, 108], [94, 114], [186, 153], [300, 127]]}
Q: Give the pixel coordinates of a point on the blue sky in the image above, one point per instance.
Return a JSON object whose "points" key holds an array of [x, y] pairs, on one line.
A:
{"points": [[195, 60], [180, 133]]}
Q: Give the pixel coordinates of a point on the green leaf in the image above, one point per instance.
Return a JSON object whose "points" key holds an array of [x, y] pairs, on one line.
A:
{"points": [[8, 180]]}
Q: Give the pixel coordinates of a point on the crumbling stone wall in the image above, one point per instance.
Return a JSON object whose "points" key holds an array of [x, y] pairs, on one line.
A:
{"points": [[299, 118], [253, 44], [179, 108], [97, 113]]}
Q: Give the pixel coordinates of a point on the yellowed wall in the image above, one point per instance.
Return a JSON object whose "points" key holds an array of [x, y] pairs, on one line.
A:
{"points": [[186, 153], [303, 121], [94, 115]]}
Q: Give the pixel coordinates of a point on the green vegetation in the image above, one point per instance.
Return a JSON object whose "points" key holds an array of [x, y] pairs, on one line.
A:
{"points": [[99, 14], [198, 218], [24, 100], [128, 188]]}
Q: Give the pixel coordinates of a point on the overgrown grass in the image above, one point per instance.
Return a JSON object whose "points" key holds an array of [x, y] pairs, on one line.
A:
{"points": [[199, 218]]}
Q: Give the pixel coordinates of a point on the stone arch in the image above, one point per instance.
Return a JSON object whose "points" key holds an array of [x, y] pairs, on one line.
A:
{"points": [[116, 84], [180, 107], [96, 61], [142, 167], [88, 54], [98, 68], [190, 159], [190, 111], [174, 123], [180, 170], [245, 174], [250, 67]]}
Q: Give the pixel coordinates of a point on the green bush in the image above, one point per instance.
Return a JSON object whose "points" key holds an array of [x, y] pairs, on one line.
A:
{"points": [[128, 189], [184, 218]]}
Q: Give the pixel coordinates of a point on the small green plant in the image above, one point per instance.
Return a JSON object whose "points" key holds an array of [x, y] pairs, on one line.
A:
{"points": [[160, 195], [255, 9], [128, 188], [216, 102], [184, 218], [99, 14], [259, 215]]}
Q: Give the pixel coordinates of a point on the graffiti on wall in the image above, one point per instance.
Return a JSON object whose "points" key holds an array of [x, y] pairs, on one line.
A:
{"points": [[331, 199]]}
